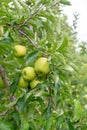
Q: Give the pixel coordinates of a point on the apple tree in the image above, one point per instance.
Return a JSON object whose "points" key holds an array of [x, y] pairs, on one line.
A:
{"points": [[36, 68]]}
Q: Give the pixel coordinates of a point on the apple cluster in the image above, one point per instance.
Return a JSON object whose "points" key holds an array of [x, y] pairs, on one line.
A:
{"points": [[29, 74]]}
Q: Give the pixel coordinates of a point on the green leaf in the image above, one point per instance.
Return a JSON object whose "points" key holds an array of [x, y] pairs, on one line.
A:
{"points": [[18, 7], [16, 117], [49, 123], [65, 2], [8, 39], [24, 123], [31, 57], [6, 1], [75, 67], [68, 68], [64, 45], [5, 125], [14, 85], [29, 32], [47, 111], [57, 88], [70, 124], [32, 125], [59, 121], [77, 110], [60, 57], [21, 103], [25, 6]]}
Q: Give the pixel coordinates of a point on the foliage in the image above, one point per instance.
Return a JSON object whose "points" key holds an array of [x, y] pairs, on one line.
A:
{"points": [[42, 28]]}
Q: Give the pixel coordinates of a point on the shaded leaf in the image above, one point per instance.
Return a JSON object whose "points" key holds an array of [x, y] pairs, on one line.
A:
{"points": [[5, 125], [31, 57]]}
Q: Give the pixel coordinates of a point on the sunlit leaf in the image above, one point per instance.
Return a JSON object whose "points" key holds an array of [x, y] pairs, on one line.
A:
{"points": [[77, 110]]}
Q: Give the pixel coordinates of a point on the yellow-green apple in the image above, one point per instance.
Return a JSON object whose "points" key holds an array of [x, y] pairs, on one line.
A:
{"points": [[23, 83], [19, 50], [1, 83], [34, 83], [28, 73], [42, 65]]}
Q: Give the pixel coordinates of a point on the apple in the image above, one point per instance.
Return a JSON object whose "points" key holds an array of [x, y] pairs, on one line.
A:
{"points": [[42, 65], [28, 73], [1, 30], [23, 83], [34, 83], [19, 50], [2, 85]]}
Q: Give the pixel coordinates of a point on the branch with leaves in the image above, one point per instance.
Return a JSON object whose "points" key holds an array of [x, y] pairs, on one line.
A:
{"points": [[4, 113], [31, 41], [35, 13], [5, 80]]}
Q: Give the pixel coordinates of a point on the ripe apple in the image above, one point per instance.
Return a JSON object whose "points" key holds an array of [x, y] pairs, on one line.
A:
{"points": [[34, 83], [19, 50], [23, 83], [1, 30], [2, 85], [28, 73], [42, 65]]}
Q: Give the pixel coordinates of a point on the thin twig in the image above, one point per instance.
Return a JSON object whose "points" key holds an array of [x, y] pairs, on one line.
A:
{"points": [[4, 113], [23, 33], [3, 76], [19, 25], [29, 18], [5, 80]]}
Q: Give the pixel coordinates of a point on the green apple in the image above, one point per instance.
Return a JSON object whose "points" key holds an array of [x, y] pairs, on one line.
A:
{"points": [[34, 83], [28, 73], [1, 30], [19, 50], [42, 65], [2, 85], [23, 83]]}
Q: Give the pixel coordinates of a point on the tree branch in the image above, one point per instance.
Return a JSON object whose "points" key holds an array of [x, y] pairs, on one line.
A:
{"points": [[4, 113], [5, 80], [33, 15], [23, 33], [3, 76]]}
